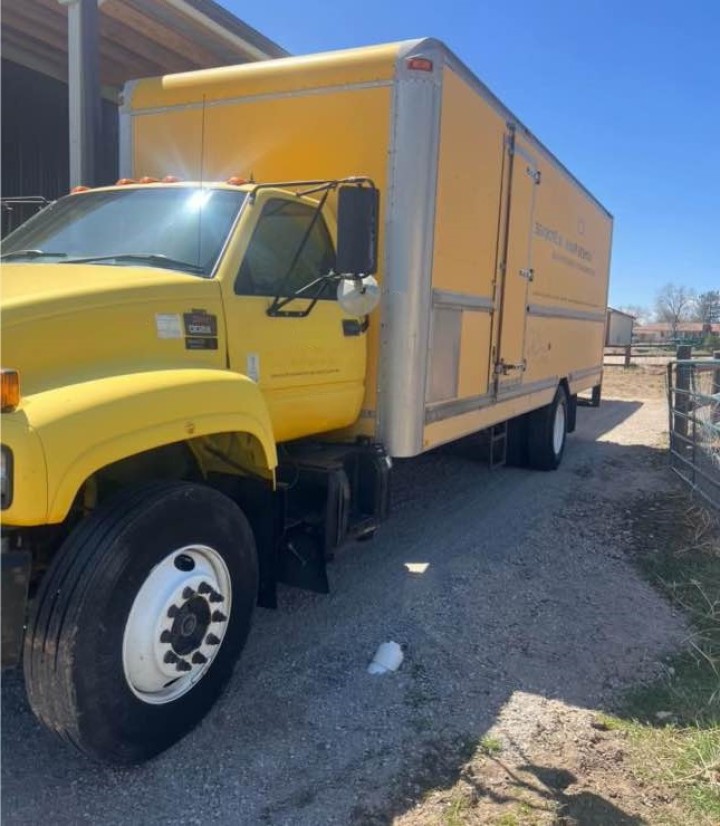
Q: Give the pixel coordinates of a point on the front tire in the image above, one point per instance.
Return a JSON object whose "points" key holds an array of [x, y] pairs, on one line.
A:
{"points": [[547, 433], [140, 619]]}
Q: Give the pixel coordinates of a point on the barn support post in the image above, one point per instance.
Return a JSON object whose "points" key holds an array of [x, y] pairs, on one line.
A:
{"points": [[83, 90]]}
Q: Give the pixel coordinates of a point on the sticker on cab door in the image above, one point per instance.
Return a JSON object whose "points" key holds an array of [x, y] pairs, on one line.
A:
{"points": [[200, 343], [253, 366], [167, 325], [200, 330], [200, 323]]}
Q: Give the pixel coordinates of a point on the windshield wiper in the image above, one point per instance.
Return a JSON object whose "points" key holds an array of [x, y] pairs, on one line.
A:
{"points": [[8, 256], [154, 259]]}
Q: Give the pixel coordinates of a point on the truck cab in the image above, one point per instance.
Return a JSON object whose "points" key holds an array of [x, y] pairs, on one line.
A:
{"points": [[164, 341], [234, 249]]}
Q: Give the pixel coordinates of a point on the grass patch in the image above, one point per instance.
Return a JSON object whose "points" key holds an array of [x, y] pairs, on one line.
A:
{"points": [[674, 723], [490, 745]]}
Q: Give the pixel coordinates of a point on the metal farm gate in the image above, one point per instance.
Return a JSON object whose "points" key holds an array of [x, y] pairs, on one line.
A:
{"points": [[694, 408]]}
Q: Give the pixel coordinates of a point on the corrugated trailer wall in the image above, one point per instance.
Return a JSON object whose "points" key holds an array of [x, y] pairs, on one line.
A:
{"points": [[467, 226], [35, 140]]}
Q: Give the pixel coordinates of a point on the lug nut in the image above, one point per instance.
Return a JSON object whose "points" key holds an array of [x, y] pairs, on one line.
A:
{"points": [[211, 639], [166, 636], [215, 597], [172, 611], [218, 616], [198, 658], [188, 592], [204, 588], [182, 665], [170, 657]]}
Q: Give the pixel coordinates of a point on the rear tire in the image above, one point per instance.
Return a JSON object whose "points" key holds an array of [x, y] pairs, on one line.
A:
{"points": [[547, 433], [517, 441], [133, 596]]}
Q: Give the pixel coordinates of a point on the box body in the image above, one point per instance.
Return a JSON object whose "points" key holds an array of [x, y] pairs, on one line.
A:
{"points": [[494, 258]]}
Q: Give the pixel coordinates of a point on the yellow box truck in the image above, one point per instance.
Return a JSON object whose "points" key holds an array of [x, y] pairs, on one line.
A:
{"points": [[310, 266]]}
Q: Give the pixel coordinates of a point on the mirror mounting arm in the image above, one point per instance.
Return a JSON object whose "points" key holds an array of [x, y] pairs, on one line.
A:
{"points": [[315, 186], [278, 302], [275, 310]]}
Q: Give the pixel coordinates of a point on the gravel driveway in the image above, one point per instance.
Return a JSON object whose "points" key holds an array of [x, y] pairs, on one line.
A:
{"points": [[526, 594]]}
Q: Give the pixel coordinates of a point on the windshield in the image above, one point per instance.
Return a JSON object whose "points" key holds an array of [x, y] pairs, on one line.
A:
{"points": [[183, 228]]}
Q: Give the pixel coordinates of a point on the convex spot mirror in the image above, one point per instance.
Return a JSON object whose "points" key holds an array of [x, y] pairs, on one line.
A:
{"points": [[358, 296], [357, 221]]}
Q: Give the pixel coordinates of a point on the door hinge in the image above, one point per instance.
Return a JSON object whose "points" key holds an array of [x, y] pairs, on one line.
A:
{"points": [[528, 273], [502, 368]]}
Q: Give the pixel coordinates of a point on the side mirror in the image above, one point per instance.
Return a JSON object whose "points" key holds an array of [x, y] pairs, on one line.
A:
{"points": [[358, 296], [358, 216]]}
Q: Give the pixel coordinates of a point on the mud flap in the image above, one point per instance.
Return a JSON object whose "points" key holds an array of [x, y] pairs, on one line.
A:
{"points": [[301, 562], [15, 582], [572, 413]]}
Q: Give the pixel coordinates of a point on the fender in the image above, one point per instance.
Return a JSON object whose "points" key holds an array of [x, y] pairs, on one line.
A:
{"points": [[86, 426]]}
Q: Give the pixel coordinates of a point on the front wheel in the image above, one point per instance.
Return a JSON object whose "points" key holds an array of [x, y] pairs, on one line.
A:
{"points": [[140, 619]]}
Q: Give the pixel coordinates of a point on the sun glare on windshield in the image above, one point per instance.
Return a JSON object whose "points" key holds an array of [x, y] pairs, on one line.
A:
{"points": [[198, 200], [121, 226]]}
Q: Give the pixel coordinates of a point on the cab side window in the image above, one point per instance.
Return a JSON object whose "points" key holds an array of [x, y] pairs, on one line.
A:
{"points": [[266, 267]]}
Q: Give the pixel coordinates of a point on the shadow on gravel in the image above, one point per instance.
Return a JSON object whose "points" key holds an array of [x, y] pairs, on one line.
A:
{"points": [[610, 414], [525, 589]]}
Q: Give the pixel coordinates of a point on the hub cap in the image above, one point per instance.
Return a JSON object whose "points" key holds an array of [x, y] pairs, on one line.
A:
{"points": [[176, 624], [559, 429]]}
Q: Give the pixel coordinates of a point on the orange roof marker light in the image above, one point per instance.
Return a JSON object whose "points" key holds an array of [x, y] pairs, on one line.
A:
{"points": [[125, 181], [171, 179], [236, 180], [148, 179], [10, 390], [419, 64], [79, 188]]}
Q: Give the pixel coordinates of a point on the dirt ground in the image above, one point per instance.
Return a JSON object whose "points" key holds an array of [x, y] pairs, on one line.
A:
{"points": [[545, 761], [526, 623]]}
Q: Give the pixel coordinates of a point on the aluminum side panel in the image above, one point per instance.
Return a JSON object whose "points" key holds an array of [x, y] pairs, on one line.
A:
{"points": [[409, 223]]}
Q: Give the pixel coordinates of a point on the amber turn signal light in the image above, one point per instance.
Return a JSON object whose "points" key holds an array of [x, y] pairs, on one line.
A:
{"points": [[10, 384]]}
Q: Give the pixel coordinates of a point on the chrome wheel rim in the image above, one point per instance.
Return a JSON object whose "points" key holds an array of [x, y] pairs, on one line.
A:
{"points": [[177, 624], [559, 429]]}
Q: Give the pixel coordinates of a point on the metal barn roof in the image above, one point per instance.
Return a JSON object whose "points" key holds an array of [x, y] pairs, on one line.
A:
{"points": [[137, 38]]}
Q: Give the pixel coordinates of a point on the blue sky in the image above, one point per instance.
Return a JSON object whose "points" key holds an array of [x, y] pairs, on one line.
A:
{"points": [[626, 94]]}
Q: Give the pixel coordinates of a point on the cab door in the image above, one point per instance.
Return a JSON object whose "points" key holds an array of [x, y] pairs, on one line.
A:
{"points": [[517, 265], [309, 365]]}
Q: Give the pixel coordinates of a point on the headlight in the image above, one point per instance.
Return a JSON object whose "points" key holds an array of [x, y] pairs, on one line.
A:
{"points": [[6, 477]]}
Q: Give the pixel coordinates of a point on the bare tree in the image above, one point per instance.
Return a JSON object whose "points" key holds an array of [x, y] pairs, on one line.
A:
{"points": [[707, 307], [674, 304]]}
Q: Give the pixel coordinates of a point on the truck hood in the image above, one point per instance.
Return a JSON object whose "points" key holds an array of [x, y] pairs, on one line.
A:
{"points": [[64, 323]]}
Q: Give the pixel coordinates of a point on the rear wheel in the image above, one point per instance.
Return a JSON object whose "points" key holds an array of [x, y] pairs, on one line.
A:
{"points": [[140, 619], [547, 432]]}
